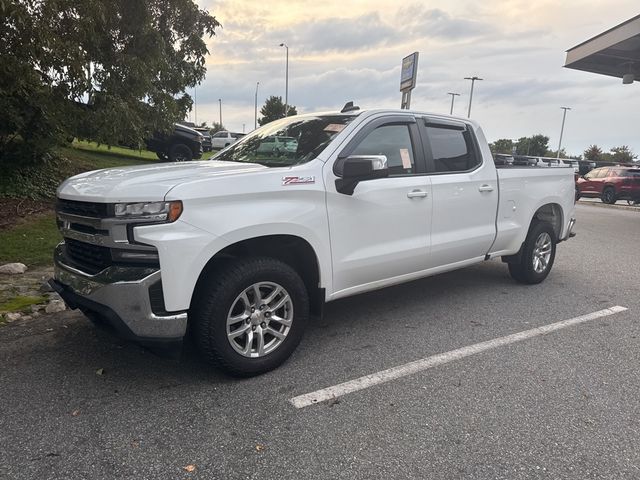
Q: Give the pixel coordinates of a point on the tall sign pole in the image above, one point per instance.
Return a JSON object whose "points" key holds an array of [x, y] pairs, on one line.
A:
{"points": [[408, 75]]}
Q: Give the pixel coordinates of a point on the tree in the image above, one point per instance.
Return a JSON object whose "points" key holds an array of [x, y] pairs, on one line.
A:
{"points": [[535, 146], [502, 145], [216, 127], [273, 109], [622, 154], [108, 70], [593, 153]]}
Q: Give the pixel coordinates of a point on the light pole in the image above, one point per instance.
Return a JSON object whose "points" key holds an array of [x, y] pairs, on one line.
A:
{"points": [[255, 118], [220, 102], [564, 116], [286, 80], [453, 96], [473, 81]]}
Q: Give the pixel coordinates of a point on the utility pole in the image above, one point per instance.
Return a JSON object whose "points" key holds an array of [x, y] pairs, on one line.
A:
{"points": [[255, 118], [564, 116], [220, 102], [453, 96], [286, 80], [473, 81]]}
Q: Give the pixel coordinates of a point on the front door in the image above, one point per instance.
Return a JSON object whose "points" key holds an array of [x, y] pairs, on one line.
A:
{"points": [[382, 230]]}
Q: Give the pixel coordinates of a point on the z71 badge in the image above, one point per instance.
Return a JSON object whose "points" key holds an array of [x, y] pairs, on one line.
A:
{"points": [[298, 180]]}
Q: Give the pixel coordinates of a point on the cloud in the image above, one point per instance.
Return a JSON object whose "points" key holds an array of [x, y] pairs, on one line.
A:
{"points": [[352, 50]]}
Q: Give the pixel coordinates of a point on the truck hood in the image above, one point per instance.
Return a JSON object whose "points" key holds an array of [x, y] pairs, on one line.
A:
{"points": [[145, 182]]}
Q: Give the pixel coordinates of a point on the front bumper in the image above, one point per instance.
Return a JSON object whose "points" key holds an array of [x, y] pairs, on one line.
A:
{"points": [[122, 297]]}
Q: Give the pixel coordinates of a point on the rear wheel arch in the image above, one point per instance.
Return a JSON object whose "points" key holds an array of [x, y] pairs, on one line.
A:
{"points": [[552, 213]]}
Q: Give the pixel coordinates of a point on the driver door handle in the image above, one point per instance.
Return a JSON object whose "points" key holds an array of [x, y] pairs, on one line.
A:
{"points": [[485, 188], [416, 194]]}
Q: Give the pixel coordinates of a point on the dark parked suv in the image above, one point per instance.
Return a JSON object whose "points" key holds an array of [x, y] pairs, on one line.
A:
{"points": [[182, 145], [610, 184]]}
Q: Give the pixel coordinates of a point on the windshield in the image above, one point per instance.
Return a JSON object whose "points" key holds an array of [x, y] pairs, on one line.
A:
{"points": [[286, 142]]}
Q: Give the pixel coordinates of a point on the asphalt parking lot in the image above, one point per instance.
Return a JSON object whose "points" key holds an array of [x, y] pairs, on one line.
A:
{"points": [[561, 404]]}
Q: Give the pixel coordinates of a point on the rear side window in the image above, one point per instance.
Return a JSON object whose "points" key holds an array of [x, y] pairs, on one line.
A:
{"points": [[452, 149]]}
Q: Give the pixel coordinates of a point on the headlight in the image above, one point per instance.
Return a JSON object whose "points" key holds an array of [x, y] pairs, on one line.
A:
{"points": [[152, 211]]}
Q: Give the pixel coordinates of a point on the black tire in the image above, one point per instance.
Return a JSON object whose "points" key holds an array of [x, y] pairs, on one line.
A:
{"points": [[609, 196], [180, 152], [215, 297], [523, 270], [162, 156]]}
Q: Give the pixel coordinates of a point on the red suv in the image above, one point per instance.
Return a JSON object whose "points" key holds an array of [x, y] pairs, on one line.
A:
{"points": [[610, 184]]}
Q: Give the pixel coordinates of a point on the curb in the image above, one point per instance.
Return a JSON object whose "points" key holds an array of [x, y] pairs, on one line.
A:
{"points": [[615, 207]]}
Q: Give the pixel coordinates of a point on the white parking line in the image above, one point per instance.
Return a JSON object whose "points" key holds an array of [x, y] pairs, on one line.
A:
{"points": [[440, 359]]}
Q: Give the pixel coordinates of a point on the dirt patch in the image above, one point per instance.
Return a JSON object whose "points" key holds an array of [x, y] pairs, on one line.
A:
{"points": [[16, 209]]}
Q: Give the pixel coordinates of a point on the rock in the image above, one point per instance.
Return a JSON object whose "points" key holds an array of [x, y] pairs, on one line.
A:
{"points": [[12, 316], [26, 318], [55, 306], [13, 268]]}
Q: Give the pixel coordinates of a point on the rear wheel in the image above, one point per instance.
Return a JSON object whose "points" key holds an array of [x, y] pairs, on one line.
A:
{"points": [[250, 316], [537, 255], [609, 196], [180, 153]]}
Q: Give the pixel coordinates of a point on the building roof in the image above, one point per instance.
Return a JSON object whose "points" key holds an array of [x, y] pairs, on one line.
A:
{"points": [[615, 52]]}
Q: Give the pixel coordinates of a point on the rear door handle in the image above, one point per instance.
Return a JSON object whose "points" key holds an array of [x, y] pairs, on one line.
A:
{"points": [[416, 194], [485, 188]]}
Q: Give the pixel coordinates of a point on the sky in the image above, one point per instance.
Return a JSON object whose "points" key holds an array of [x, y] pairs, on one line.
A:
{"points": [[352, 50]]}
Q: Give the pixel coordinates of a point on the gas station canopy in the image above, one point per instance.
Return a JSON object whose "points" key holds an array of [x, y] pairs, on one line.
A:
{"points": [[615, 52]]}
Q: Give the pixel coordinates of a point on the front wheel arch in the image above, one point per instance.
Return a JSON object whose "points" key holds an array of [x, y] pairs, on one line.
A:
{"points": [[293, 250]]}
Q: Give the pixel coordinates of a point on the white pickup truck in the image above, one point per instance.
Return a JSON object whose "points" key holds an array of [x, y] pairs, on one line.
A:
{"points": [[244, 250]]}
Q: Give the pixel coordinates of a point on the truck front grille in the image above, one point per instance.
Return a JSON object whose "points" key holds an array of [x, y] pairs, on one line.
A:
{"points": [[87, 257], [83, 209]]}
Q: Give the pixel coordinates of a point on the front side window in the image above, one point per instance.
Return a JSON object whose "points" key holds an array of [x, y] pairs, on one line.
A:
{"points": [[452, 149], [287, 142], [393, 141], [602, 173]]}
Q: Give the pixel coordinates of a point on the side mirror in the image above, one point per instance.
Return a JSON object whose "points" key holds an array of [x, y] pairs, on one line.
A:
{"points": [[357, 168]]}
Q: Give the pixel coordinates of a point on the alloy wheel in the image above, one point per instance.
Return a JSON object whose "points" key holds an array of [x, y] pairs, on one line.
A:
{"points": [[259, 319]]}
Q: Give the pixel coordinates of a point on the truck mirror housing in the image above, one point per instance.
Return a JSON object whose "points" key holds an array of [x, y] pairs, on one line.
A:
{"points": [[357, 168]]}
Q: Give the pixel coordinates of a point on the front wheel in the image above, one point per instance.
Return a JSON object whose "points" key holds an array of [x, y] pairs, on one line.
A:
{"points": [[537, 255], [250, 315]]}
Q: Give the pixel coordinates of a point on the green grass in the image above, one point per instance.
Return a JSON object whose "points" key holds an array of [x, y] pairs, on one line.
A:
{"points": [[103, 156], [30, 242], [118, 153], [20, 303]]}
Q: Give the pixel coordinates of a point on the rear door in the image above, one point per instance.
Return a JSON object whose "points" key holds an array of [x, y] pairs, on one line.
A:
{"points": [[465, 192]]}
